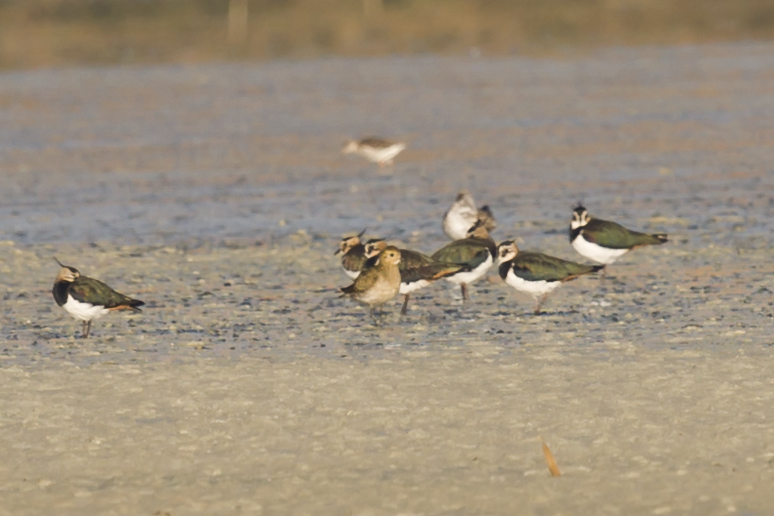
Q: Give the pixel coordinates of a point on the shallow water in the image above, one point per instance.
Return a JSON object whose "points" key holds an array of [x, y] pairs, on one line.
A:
{"points": [[217, 194]]}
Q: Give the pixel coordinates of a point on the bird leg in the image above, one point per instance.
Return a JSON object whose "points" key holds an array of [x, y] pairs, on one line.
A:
{"points": [[404, 310], [86, 329], [373, 316], [464, 288], [539, 302]]}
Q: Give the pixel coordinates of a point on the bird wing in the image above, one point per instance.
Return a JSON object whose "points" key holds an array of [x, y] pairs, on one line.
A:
{"points": [[541, 267], [355, 259], [429, 272], [614, 236], [470, 252], [89, 290], [363, 282]]}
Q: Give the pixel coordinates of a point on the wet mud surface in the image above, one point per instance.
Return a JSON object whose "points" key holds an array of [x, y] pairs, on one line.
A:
{"points": [[217, 195]]}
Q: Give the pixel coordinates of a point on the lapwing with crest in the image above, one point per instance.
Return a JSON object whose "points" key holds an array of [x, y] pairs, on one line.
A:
{"points": [[537, 274], [352, 252], [476, 254], [604, 241], [86, 298]]}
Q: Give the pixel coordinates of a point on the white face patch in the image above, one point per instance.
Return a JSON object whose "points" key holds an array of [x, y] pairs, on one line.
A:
{"points": [[505, 254], [579, 220], [83, 311]]}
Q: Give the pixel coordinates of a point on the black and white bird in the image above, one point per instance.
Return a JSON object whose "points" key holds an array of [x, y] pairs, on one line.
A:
{"points": [[87, 299], [537, 274], [476, 254], [603, 241]]}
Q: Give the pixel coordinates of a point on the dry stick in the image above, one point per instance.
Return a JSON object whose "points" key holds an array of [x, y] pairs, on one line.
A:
{"points": [[552, 467]]}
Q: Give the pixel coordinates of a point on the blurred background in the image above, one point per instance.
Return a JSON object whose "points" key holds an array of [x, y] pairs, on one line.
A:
{"points": [[62, 33]]}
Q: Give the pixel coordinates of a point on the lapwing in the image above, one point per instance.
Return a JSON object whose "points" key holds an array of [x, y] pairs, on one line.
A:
{"points": [[87, 299], [537, 274], [417, 270], [352, 255], [603, 241], [463, 215], [375, 150], [476, 254], [379, 283]]}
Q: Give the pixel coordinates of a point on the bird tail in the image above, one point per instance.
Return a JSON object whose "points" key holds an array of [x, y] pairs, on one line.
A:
{"points": [[597, 268], [129, 304], [345, 291]]}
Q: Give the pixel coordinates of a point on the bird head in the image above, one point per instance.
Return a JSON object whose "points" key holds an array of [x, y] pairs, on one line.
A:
{"points": [[507, 251], [67, 273], [580, 217]]}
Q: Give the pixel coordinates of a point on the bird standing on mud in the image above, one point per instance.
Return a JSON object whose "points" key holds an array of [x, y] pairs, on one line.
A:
{"points": [[375, 150], [603, 241], [476, 253], [537, 274], [416, 269], [378, 284], [463, 215], [87, 299]]}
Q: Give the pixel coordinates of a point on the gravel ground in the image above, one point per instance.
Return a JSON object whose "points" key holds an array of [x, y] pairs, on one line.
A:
{"points": [[217, 194]]}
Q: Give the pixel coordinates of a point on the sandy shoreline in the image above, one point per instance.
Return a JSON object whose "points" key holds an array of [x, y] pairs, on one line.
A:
{"points": [[216, 194]]}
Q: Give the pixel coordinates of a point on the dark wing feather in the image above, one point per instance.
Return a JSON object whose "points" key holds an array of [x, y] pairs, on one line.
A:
{"points": [[377, 143], [470, 252], [412, 259], [355, 258], [541, 267], [430, 272], [89, 290], [614, 236]]}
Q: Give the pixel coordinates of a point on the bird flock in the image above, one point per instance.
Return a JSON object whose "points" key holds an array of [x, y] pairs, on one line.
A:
{"points": [[381, 272]]}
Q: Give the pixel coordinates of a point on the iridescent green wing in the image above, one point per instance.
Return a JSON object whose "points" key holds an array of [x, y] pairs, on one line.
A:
{"points": [[614, 236], [89, 290], [413, 259], [429, 272], [541, 267], [470, 252]]}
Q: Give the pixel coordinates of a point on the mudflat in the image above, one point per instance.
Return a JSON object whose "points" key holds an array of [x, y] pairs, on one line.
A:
{"points": [[217, 194]]}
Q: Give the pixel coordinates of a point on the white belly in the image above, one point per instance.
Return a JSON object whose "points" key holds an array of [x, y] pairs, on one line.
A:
{"points": [[381, 155], [457, 223], [471, 276], [407, 288], [352, 274], [535, 288], [597, 252], [83, 311]]}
